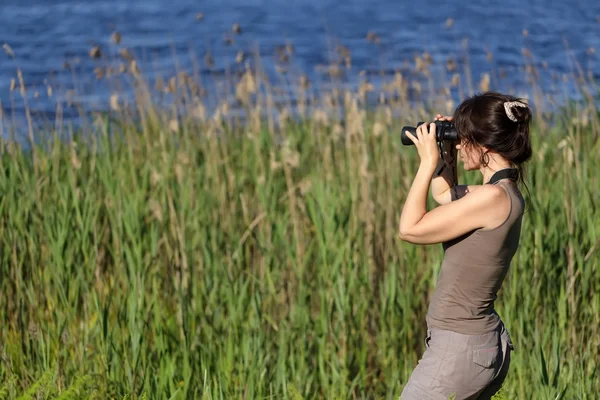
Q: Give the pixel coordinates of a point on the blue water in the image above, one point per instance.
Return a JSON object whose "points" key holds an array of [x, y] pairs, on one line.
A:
{"points": [[47, 34]]}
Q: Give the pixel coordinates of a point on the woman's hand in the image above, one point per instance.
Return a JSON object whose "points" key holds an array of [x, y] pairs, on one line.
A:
{"points": [[440, 117], [426, 145]]}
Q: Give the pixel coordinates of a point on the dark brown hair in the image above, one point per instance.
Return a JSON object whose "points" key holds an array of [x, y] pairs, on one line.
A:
{"points": [[483, 120]]}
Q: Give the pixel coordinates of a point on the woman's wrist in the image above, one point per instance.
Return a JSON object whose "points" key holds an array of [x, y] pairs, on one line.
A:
{"points": [[428, 167]]}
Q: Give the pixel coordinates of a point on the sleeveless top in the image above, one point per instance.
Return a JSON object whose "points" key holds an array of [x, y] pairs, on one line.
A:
{"points": [[472, 272]]}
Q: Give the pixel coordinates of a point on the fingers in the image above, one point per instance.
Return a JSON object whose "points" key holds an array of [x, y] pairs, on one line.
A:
{"points": [[432, 129], [421, 131], [411, 137]]}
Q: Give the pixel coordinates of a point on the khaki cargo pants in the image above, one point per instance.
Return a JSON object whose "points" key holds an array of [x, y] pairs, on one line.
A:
{"points": [[460, 366]]}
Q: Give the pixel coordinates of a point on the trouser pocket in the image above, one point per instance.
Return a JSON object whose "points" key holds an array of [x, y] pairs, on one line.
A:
{"points": [[486, 358]]}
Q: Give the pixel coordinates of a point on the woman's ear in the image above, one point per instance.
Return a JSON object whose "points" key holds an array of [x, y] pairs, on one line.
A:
{"points": [[482, 150]]}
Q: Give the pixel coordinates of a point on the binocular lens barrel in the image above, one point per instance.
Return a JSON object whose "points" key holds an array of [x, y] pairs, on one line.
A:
{"points": [[444, 131]]}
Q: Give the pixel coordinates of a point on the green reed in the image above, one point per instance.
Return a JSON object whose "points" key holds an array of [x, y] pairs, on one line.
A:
{"points": [[190, 257]]}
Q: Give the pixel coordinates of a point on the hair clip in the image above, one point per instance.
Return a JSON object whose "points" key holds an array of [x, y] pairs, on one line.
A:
{"points": [[507, 108]]}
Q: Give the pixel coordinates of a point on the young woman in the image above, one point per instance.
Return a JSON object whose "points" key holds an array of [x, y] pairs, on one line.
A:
{"points": [[468, 348]]}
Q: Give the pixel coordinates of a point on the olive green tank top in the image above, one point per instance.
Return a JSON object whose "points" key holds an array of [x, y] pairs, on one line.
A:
{"points": [[472, 272]]}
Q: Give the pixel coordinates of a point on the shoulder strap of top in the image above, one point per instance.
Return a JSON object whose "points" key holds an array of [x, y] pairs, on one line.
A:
{"points": [[510, 173]]}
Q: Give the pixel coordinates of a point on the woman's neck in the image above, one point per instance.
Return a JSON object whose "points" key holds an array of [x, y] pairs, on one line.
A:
{"points": [[496, 164]]}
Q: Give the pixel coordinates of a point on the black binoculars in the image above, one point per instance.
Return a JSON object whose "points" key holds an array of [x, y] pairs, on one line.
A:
{"points": [[444, 131]]}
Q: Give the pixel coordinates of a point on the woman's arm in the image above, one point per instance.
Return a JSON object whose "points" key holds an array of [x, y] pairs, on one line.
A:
{"points": [[415, 205], [454, 193], [454, 219]]}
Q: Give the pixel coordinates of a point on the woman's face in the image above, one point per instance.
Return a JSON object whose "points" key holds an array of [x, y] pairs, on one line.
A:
{"points": [[469, 155]]}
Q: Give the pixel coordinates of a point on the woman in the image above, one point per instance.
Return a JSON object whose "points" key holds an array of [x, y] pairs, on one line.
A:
{"points": [[468, 348]]}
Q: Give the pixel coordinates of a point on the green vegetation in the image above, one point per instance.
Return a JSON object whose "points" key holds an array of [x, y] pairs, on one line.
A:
{"points": [[170, 255]]}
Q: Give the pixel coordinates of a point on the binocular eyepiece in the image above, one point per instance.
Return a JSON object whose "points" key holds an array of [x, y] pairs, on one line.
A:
{"points": [[444, 131]]}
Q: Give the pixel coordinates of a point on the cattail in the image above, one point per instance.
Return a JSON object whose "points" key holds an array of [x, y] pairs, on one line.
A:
{"points": [[290, 157], [8, 50], [126, 54], [320, 117], [334, 71], [373, 37], [115, 37], [337, 131], [75, 162], [21, 82], [417, 87], [304, 82], [99, 72], [451, 65], [249, 82], [172, 86], [378, 129], [174, 125], [420, 64], [200, 112], [133, 68], [484, 85], [155, 210], [455, 80], [155, 178], [239, 57], [95, 52], [305, 185], [114, 102], [273, 163], [365, 87]]}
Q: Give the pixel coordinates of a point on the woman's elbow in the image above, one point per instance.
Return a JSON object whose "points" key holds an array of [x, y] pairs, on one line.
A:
{"points": [[405, 235], [412, 239], [413, 236]]}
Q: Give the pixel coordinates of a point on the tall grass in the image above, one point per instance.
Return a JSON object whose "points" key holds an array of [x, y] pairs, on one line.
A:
{"points": [[161, 252]]}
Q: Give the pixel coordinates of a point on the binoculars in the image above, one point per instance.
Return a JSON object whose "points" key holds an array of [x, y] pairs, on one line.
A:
{"points": [[444, 131]]}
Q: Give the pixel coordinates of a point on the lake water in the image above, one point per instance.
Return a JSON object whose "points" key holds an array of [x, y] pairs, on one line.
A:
{"points": [[51, 40]]}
